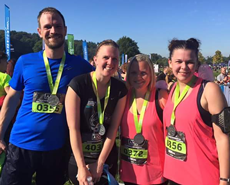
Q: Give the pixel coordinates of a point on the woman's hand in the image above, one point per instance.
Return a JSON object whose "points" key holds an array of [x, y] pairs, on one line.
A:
{"points": [[83, 174], [96, 170]]}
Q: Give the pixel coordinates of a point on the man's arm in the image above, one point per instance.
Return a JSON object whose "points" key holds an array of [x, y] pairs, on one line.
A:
{"points": [[7, 112]]}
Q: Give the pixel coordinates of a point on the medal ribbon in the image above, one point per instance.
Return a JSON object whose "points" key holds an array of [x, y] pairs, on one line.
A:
{"points": [[100, 113], [138, 124], [53, 88], [179, 97]]}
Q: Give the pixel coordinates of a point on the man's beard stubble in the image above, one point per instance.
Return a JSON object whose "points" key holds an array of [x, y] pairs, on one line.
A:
{"points": [[54, 45]]}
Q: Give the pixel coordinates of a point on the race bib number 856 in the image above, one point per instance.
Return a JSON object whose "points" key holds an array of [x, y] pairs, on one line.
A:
{"points": [[175, 146]]}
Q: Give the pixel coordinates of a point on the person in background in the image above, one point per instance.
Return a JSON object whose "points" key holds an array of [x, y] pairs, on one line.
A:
{"points": [[10, 67], [91, 61], [94, 106], [129, 60], [170, 78], [222, 78], [124, 71], [38, 137], [162, 75], [142, 138], [4, 77], [197, 149]]}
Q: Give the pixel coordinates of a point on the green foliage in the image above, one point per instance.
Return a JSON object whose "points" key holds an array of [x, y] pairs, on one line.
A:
{"points": [[209, 60], [216, 73], [217, 58], [24, 43], [154, 57], [226, 59], [128, 46], [158, 59], [201, 58], [91, 46], [78, 50], [38, 45], [163, 61]]}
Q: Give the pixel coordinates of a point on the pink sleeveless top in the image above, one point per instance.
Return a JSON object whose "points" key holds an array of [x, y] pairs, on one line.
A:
{"points": [[201, 166], [152, 129]]}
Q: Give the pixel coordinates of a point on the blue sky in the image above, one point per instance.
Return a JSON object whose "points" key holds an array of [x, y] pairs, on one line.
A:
{"points": [[151, 23]]}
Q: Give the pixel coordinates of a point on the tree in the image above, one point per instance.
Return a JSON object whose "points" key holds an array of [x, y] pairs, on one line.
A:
{"points": [[155, 57], [27, 43], [38, 46], [163, 61], [91, 48], [78, 47], [217, 58], [201, 58], [226, 59], [209, 60], [128, 46]]}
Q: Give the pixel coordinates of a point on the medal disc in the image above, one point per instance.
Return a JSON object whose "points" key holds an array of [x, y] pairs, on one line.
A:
{"points": [[53, 100], [95, 137], [139, 139], [96, 129], [102, 130], [171, 130]]}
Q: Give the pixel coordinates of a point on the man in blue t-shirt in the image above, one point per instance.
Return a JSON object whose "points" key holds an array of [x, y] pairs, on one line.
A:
{"points": [[39, 134]]}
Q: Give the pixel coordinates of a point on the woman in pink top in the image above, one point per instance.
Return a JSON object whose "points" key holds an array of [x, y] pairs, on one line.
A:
{"points": [[197, 151], [142, 139]]}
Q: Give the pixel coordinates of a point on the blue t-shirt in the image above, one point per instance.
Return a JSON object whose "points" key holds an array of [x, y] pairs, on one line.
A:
{"points": [[42, 131]]}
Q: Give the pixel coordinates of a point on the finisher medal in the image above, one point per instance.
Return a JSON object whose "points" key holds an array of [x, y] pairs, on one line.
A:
{"points": [[102, 130], [171, 130], [99, 110], [139, 139], [53, 100]]}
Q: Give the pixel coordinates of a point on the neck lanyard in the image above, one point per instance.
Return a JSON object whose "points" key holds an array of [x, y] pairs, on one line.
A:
{"points": [[179, 97], [100, 113], [53, 88], [138, 124]]}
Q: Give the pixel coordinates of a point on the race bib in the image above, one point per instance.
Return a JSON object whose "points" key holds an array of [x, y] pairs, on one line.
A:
{"points": [[134, 153], [46, 108], [176, 147], [41, 104], [91, 145]]}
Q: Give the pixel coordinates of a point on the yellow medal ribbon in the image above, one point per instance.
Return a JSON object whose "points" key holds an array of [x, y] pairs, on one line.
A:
{"points": [[107, 94], [179, 97], [138, 124], [54, 88]]}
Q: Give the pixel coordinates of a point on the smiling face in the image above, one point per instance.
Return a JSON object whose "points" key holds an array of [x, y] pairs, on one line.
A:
{"points": [[140, 75], [183, 63], [52, 30], [106, 60]]}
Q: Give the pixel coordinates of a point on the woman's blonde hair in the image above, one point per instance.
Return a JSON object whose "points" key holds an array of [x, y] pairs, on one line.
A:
{"points": [[142, 58]]}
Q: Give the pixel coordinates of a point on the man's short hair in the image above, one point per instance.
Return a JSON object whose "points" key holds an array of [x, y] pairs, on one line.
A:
{"points": [[50, 10]]}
